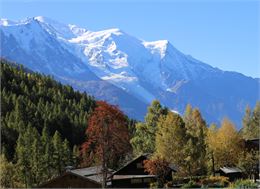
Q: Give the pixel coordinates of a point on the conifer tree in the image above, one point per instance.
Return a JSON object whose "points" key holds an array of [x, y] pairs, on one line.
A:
{"points": [[47, 161], [67, 156], [24, 156], [57, 153], [37, 158], [75, 156], [7, 173], [171, 140]]}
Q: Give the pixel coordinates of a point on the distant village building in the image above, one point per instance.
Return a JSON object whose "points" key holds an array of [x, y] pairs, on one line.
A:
{"points": [[90, 177], [233, 173], [133, 175]]}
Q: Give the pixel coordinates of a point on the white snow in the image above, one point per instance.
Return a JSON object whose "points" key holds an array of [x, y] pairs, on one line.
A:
{"points": [[113, 55]]}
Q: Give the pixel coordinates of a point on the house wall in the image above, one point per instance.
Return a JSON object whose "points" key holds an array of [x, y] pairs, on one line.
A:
{"points": [[134, 168], [232, 176], [128, 183]]}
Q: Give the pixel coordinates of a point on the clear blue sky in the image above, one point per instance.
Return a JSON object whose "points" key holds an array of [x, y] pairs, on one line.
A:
{"points": [[224, 34]]}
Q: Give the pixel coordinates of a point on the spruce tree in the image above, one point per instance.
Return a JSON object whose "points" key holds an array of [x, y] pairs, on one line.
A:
{"points": [[67, 155], [47, 161], [57, 153]]}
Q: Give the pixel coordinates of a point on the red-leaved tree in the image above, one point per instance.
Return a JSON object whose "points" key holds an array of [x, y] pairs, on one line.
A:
{"points": [[107, 138], [158, 167]]}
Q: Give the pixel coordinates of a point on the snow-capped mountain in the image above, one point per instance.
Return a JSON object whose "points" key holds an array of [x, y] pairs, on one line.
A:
{"points": [[115, 66]]}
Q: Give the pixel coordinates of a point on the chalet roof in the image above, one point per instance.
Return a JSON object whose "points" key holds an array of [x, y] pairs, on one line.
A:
{"points": [[147, 156], [228, 170], [65, 174], [89, 171]]}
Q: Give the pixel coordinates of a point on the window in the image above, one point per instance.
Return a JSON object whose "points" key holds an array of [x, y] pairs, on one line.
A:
{"points": [[147, 180], [139, 165], [136, 181]]}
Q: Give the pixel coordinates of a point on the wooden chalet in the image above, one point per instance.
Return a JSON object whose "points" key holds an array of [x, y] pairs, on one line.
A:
{"points": [[133, 175], [252, 144], [90, 177], [233, 173]]}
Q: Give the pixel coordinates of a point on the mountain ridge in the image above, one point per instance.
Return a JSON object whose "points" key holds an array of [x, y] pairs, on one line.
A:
{"points": [[139, 69]]}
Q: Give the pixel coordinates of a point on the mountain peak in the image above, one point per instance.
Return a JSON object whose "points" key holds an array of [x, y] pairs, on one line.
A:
{"points": [[157, 47]]}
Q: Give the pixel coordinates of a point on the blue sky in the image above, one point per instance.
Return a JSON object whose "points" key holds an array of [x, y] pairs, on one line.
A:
{"points": [[224, 34]]}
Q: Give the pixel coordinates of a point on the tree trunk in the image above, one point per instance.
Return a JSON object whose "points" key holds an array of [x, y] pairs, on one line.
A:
{"points": [[213, 164]]}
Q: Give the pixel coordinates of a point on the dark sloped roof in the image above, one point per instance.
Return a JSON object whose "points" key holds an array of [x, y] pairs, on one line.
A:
{"points": [[88, 171], [147, 156], [228, 170], [65, 174]]}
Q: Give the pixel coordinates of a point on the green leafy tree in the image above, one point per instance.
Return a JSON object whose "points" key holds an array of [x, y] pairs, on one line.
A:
{"points": [[196, 146], [144, 137], [251, 123], [248, 163]]}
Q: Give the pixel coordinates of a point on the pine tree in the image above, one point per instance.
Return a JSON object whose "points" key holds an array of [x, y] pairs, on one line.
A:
{"points": [[7, 173], [67, 156], [24, 156], [57, 153], [47, 161], [75, 156], [37, 158]]}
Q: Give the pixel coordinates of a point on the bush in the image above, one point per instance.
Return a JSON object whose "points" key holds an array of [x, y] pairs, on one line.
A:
{"points": [[191, 184], [215, 181], [243, 184]]}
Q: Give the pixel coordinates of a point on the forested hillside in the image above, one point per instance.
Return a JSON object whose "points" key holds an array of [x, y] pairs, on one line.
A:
{"points": [[41, 121], [46, 126]]}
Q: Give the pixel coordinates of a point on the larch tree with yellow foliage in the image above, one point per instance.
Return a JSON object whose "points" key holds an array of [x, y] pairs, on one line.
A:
{"points": [[171, 140], [224, 144]]}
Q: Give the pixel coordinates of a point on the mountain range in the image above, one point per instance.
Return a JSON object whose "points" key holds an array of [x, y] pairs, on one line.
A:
{"points": [[124, 70]]}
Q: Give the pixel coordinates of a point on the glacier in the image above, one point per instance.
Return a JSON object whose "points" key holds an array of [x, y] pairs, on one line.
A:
{"points": [[112, 62]]}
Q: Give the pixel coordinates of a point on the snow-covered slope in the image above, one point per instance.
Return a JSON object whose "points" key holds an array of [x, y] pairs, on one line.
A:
{"points": [[139, 69]]}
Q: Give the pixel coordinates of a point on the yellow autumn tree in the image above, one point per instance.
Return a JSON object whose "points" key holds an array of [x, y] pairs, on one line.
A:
{"points": [[224, 144], [171, 140]]}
